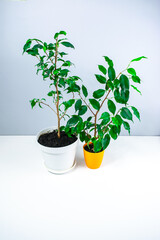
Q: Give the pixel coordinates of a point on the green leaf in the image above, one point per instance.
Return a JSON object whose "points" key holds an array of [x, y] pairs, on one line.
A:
{"points": [[97, 145], [68, 103], [111, 106], [78, 104], [110, 85], [136, 79], [62, 33], [113, 132], [100, 78], [117, 120], [84, 90], [136, 89], [124, 82], [98, 93], [33, 102], [95, 104], [126, 113], [109, 61], [51, 93], [102, 69], [27, 45], [137, 59], [72, 121], [126, 126], [64, 72], [105, 116], [67, 44], [131, 71], [111, 73], [32, 52], [121, 97], [105, 141], [82, 110], [135, 112]]}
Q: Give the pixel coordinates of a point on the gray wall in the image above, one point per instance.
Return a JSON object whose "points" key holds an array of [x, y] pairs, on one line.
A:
{"points": [[122, 30]]}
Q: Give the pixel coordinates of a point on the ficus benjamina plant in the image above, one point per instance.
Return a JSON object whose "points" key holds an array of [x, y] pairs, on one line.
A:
{"points": [[113, 94], [55, 69]]}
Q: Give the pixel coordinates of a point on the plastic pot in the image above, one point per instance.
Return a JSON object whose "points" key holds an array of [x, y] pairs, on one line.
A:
{"points": [[58, 160], [93, 160]]}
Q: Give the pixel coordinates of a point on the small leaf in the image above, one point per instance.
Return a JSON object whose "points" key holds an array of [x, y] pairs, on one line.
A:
{"points": [[137, 59], [113, 132], [105, 141], [95, 104], [97, 145], [111, 106], [124, 82], [105, 116], [98, 93], [84, 90], [33, 102], [51, 93], [126, 126], [109, 61], [135, 112], [68, 103], [131, 71], [67, 44], [117, 120], [82, 110], [125, 113], [78, 104], [100, 78], [136, 79], [102, 69], [136, 89], [72, 121], [27, 45], [111, 73]]}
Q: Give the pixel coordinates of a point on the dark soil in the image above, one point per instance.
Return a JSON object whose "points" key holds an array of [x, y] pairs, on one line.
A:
{"points": [[90, 148], [51, 139]]}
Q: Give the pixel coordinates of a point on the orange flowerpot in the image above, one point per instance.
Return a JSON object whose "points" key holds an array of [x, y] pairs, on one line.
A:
{"points": [[93, 160]]}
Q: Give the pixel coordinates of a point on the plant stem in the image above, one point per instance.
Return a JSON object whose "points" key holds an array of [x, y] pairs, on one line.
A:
{"points": [[87, 105], [48, 106], [57, 102]]}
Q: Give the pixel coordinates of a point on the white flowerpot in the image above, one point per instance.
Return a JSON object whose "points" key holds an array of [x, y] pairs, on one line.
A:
{"points": [[58, 160]]}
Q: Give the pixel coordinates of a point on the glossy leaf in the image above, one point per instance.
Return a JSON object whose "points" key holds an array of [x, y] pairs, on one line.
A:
{"points": [[98, 93], [126, 113], [78, 104], [109, 61], [102, 69], [97, 146], [105, 116], [72, 121], [131, 71], [27, 45], [95, 104], [126, 126], [136, 89], [138, 59], [100, 78], [111, 73], [82, 110], [84, 90], [136, 112], [124, 82], [105, 141], [67, 44], [136, 79], [113, 132], [111, 106]]}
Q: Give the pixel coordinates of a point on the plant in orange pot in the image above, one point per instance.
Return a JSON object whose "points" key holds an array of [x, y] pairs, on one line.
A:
{"points": [[102, 126]]}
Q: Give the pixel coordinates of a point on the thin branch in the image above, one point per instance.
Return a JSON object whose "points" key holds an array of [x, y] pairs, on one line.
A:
{"points": [[48, 106], [87, 105]]}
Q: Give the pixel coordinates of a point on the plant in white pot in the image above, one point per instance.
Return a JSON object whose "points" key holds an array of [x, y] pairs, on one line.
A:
{"points": [[58, 148]]}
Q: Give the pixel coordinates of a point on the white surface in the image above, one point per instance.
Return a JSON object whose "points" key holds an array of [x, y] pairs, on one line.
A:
{"points": [[120, 29], [119, 201], [58, 159]]}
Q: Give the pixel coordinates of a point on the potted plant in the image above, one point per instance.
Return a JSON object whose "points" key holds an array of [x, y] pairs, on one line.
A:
{"points": [[58, 148], [98, 129]]}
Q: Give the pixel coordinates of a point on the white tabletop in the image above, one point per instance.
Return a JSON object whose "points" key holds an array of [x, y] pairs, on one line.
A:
{"points": [[120, 200]]}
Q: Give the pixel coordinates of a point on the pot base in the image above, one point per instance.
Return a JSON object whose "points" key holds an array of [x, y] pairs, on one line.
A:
{"points": [[60, 172]]}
